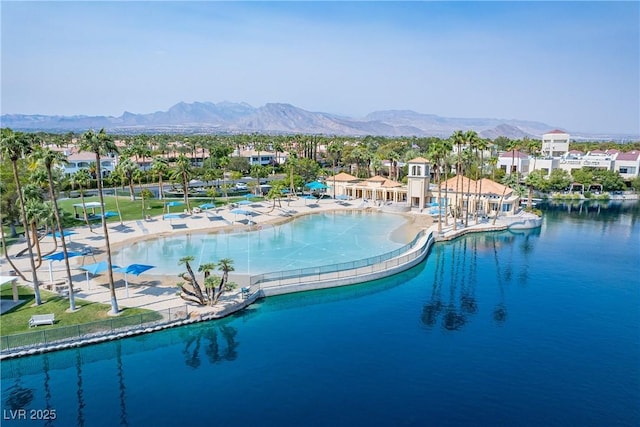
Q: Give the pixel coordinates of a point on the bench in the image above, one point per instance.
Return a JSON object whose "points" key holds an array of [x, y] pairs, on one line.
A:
{"points": [[42, 319]]}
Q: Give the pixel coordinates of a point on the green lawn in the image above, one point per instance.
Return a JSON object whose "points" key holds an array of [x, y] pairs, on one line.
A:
{"points": [[16, 320], [132, 210]]}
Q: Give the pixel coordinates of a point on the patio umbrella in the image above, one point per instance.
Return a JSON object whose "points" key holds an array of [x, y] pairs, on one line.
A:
{"points": [[96, 268], [136, 269], [58, 256], [316, 185], [172, 216], [240, 212], [207, 206], [244, 202], [308, 197], [342, 197], [174, 203], [65, 233]]}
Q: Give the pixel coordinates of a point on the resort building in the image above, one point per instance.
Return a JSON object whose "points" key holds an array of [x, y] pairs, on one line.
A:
{"points": [[86, 160], [262, 158], [377, 189], [514, 162], [555, 143], [481, 196], [627, 164]]}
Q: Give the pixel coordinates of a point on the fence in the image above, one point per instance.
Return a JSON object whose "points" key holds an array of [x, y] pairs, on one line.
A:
{"points": [[341, 271], [65, 334]]}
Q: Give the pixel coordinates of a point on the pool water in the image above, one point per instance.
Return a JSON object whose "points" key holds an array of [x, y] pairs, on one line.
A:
{"points": [[308, 241], [513, 329]]}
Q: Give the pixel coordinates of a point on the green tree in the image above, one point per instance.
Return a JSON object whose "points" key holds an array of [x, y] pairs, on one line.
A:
{"points": [[102, 144], [195, 293], [182, 173], [82, 180], [225, 265], [160, 168], [49, 159], [15, 146]]}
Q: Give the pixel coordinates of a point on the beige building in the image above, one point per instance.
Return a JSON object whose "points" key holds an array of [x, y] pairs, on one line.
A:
{"points": [[555, 143]]}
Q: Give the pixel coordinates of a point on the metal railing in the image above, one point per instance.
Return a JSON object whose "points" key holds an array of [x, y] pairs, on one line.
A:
{"points": [[46, 336], [347, 269]]}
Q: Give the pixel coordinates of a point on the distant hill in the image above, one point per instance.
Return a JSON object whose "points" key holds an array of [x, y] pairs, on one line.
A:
{"points": [[230, 117]]}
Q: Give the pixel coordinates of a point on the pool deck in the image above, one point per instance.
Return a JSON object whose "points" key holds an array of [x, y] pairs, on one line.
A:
{"points": [[157, 292]]}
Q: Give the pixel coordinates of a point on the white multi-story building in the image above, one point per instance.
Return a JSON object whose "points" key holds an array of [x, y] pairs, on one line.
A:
{"points": [[555, 143], [84, 160], [514, 162]]}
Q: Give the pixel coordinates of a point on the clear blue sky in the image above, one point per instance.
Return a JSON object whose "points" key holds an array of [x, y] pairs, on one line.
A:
{"points": [[569, 64]]}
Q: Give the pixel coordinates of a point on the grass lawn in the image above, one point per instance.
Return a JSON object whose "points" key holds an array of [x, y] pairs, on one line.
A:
{"points": [[16, 320], [132, 210]]}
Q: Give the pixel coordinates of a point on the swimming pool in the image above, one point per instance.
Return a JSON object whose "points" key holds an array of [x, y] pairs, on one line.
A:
{"points": [[308, 241]]}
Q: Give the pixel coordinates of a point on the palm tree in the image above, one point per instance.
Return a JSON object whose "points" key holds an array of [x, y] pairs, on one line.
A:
{"points": [[225, 265], [207, 268], [127, 169], [437, 154], [182, 172], [160, 167], [15, 146], [82, 179], [481, 146], [101, 143], [458, 139], [49, 158], [191, 278]]}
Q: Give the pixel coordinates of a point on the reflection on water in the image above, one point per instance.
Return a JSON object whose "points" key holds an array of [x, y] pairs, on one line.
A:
{"points": [[456, 275], [209, 337]]}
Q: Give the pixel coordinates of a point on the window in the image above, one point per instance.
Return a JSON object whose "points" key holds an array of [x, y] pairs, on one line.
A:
{"points": [[628, 169]]}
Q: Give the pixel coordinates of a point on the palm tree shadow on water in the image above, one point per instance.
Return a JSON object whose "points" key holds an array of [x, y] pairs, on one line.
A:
{"points": [[210, 338], [459, 263]]}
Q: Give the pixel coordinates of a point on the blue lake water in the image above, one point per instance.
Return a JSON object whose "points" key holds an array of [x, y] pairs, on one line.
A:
{"points": [[307, 241], [513, 329]]}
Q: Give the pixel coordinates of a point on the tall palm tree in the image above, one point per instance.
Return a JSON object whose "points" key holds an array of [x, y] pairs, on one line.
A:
{"points": [[458, 139], [511, 146], [15, 146], [437, 156], [182, 172], [160, 167], [481, 146], [473, 140], [49, 159], [82, 179], [127, 169], [101, 143], [225, 265]]}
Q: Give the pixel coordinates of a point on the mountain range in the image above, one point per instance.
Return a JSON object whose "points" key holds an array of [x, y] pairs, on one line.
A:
{"points": [[277, 118]]}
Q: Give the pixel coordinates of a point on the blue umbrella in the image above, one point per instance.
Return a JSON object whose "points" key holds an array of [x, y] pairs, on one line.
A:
{"points": [[96, 268], [244, 202], [136, 269], [58, 256], [65, 233], [174, 203], [250, 196], [172, 216], [342, 197], [316, 185], [207, 206], [240, 212]]}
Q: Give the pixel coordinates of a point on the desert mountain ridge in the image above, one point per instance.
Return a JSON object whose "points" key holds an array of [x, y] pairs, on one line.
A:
{"points": [[279, 118]]}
